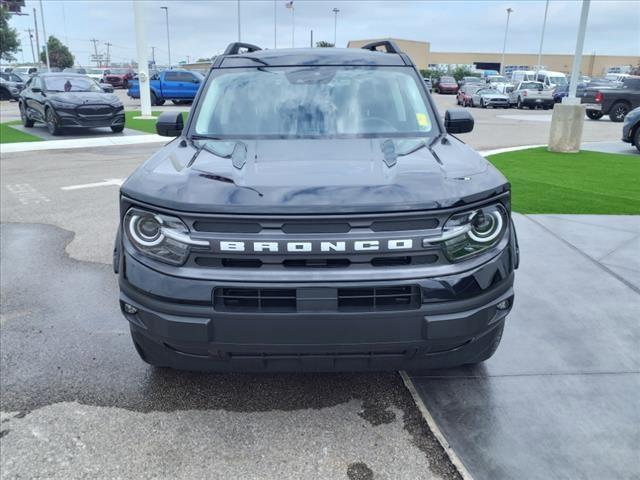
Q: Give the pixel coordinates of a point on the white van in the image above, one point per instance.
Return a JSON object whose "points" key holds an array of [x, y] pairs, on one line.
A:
{"points": [[518, 76], [551, 79]]}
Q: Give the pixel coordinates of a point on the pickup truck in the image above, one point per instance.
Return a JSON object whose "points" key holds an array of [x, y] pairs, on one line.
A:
{"points": [[531, 94], [179, 86], [615, 102]]}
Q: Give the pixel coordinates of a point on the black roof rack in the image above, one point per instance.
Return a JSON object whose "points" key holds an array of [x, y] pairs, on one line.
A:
{"points": [[234, 48], [389, 45]]}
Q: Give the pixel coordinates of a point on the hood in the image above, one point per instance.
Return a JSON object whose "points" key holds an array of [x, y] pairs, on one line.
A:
{"points": [[495, 95], [80, 98], [318, 176]]}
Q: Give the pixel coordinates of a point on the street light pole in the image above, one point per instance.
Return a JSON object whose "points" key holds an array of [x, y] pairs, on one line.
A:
{"points": [[143, 63], [544, 24], [166, 13], [44, 32], [335, 26], [239, 31], [577, 59], [504, 45]]}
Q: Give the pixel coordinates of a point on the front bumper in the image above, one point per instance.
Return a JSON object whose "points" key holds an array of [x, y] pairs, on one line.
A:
{"points": [[593, 106], [72, 119], [176, 322]]}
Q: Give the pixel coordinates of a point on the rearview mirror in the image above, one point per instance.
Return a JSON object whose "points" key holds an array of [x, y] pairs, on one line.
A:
{"points": [[458, 120], [107, 88], [170, 124]]}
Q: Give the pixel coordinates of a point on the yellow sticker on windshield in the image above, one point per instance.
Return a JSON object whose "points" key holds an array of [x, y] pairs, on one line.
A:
{"points": [[423, 120]]}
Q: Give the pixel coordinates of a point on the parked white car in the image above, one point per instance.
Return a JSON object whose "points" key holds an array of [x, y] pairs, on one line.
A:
{"points": [[531, 95], [97, 74], [551, 79], [489, 97], [518, 76], [500, 83]]}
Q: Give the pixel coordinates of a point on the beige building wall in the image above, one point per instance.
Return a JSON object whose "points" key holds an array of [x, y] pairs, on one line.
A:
{"points": [[421, 54]]}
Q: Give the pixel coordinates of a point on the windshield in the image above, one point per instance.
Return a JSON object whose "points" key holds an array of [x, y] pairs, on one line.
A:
{"points": [[119, 71], [447, 80], [531, 86], [70, 84], [314, 102], [497, 79], [472, 79], [95, 71], [558, 80]]}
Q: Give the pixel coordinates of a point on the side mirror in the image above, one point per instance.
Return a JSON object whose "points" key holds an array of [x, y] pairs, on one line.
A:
{"points": [[458, 120], [107, 88], [36, 90], [170, 124]]}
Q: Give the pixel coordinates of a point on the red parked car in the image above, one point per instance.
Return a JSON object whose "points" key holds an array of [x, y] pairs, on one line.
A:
{"points": [[446, 85], [119, 77], [463, 98]]}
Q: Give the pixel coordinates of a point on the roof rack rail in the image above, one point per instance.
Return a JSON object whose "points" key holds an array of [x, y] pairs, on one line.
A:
{"points": [[234, 48], [389, 45]]}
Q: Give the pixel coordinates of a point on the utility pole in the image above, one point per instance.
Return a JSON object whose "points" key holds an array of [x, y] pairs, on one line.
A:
{"points": [[335, 25], [35, 24], [275, 28], [44, 33], [166, 13], [153, 55], [544, 24], [577, 58], [239, 31], [33, 54], [311, 40], [108, 56], [504, 45], [95, 50], [143, 63]]}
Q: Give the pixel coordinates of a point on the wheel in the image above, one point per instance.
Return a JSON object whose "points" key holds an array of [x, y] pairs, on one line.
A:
{"points": [[52, 122], [636, 138], [458, 101], [471, 103], [594, 114], [4, 94], [482, 105], [519, 104], [436, 90], [618, 111], [125, 84], [117, 128], [488, 353], [26, 121]]}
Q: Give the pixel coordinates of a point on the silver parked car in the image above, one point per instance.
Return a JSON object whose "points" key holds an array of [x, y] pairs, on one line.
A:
{"points": [[532, 95], [489, 97]]}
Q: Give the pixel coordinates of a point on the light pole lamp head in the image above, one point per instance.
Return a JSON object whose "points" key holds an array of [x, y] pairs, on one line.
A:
{"points": [[509, 11], [336, 10]]}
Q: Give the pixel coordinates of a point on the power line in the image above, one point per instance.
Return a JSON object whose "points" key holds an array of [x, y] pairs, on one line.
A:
{"points": [[95, 50], [33, 54], [108, 57]]}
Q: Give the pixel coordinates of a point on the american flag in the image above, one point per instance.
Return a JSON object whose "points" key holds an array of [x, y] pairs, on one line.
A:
{"points": [[289, 4]]}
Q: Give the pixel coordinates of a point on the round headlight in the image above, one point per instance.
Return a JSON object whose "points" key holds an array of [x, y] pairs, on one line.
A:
{"points": [[485, 227], [146, 229]]}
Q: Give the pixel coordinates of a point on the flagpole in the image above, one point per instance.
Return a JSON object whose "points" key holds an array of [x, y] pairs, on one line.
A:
{"points": [[275, 31]]}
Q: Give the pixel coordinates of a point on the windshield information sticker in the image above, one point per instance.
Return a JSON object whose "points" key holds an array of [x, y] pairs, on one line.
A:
{"points": [[423, 121]]}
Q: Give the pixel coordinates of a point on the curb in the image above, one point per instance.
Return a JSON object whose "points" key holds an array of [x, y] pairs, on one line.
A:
{"points": [[486, 153], [453, 456], [81, 143]]}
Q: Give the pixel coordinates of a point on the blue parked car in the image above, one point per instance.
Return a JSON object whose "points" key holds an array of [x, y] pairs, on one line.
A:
{"points": [[179, 86]]}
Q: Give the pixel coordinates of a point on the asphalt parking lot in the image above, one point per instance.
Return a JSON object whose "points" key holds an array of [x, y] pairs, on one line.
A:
{"points": [[77, 400]]}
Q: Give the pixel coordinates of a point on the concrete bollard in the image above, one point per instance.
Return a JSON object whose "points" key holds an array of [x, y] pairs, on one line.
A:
{"points": [[566, 127]]}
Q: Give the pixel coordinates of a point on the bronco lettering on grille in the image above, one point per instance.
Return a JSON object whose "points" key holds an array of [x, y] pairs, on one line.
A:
{"points": [[318, 247]]}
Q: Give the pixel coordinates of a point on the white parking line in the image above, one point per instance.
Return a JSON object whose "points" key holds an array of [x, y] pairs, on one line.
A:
{"points": [[107, 182]]}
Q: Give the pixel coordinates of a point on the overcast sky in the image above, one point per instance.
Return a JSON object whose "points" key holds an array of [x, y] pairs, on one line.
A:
{"points": [[203, 28]]}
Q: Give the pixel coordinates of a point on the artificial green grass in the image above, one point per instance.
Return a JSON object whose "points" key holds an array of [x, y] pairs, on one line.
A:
{"points": [[580, 183], [11, 135], [148, 126]]}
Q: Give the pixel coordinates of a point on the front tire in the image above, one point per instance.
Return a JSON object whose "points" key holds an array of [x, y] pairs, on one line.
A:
{"points": [[482, 105], [636, 138], [519, 105], [117, 128], [26, 121], [594, 114], [618, 111], [52, 122]]}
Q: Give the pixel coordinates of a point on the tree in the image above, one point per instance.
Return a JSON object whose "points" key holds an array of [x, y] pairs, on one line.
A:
{"points": [[461, 72], [430, 73], [9, 42], [323, 44], [59, 54], [204, 59]]}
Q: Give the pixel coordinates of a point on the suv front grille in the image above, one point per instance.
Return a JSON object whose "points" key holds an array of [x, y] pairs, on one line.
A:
{"points": [[281, 300]]}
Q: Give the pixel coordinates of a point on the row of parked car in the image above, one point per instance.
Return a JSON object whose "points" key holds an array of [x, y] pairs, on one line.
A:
{"points": [[526, 94]]}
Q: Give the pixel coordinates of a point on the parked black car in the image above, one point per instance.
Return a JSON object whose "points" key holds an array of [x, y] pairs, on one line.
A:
{"points": [[63, 100], [306, 219], [615, 102], [631, 128]]}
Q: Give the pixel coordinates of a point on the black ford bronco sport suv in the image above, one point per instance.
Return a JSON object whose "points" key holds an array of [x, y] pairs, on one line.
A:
{"points": [[314, 213]]}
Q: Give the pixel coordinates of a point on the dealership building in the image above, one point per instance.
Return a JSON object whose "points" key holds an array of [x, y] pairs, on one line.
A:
{"points": [[423, 57]]}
